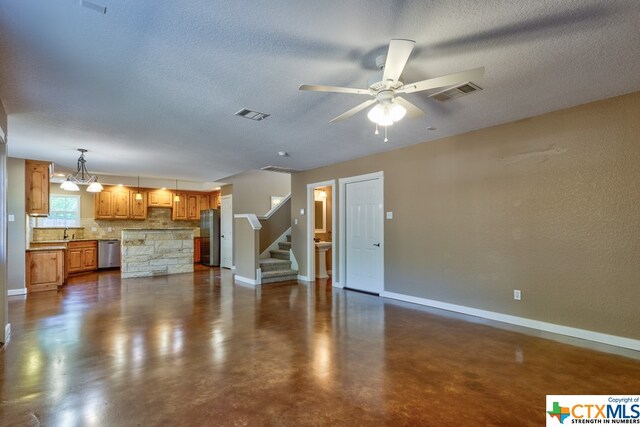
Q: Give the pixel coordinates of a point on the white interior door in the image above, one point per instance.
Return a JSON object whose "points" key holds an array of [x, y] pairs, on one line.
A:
{"points": [[226, 231], [364, 229]]}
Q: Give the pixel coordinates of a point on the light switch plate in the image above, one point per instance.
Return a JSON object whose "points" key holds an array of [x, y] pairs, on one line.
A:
{"points": [[295, 221], [389, 215], [517, 295], [11, 218]]}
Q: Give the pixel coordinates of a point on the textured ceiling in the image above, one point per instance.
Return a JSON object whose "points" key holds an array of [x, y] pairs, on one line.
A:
{"points": [[150, 87]]}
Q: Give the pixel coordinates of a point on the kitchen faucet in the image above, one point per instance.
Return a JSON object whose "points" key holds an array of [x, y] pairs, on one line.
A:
{"points": [[65, 236]]}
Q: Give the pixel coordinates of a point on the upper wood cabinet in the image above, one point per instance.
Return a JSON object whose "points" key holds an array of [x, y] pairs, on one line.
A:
{"points": [[214, 200], [180, 211], [160, 199], [138, 207], [119, 203], [37, 187], [203, 203]]}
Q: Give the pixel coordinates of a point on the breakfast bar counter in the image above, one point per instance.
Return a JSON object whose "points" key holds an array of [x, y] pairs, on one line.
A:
{"points": [[156, 252]]}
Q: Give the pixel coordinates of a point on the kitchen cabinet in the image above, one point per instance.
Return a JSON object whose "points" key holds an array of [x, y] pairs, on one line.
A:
{"points": [[45, 269], [203, 203], [196, 249], [37, 187], [160, 199], [193, 206], [138, 207], [119, 203], [180, 211], [82, 256], [214, 200]]}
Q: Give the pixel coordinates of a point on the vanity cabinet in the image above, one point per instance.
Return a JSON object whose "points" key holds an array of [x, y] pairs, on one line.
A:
{"points": [[37, 187], [45, 270]]}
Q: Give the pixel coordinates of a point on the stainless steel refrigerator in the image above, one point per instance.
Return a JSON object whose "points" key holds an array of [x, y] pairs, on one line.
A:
{"points": [[210, 237]]}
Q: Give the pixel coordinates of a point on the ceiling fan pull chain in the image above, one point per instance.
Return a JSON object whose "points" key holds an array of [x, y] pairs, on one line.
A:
{"points": [[385, 134], [376, 132]]}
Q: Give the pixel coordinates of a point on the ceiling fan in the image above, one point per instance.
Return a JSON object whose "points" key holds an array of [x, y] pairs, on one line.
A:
{"points": [[385, 89]]}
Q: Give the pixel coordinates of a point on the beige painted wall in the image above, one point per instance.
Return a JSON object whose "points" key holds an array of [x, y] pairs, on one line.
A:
{"points": [[252, 190], [246, 244], [549, 205], [3, 231], [16, 230]]}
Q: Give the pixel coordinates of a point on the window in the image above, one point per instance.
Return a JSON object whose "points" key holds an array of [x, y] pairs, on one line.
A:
{"points": [[64, 211]]}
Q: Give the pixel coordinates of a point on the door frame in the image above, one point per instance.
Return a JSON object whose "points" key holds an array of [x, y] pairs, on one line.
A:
{"points": [[311, 247], [342, 219], [229, 198]]}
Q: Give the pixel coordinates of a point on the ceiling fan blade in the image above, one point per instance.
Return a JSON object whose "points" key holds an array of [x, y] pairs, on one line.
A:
{"points": [[397, 56], [412, 110], [354, 110], [448, 80], [338, 89]]}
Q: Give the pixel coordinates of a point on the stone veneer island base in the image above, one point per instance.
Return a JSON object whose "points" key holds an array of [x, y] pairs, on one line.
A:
{"points": [[156, 252]]}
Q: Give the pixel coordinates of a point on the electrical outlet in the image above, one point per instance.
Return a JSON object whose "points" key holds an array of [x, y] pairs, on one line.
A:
{"points": [[517, 295], [389, 215], [94, 229], [109, 229]]}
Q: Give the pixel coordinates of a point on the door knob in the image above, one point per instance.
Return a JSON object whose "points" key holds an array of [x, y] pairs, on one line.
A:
{"points": [[376, 244]]}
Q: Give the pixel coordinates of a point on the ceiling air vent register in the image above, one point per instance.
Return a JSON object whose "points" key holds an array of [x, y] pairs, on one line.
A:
{"points": [[455, 92], [252, 115], [279, 169]]}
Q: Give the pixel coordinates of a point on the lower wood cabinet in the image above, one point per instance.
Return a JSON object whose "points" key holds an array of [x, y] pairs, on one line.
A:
{"points": [[45, 270], [82, 256], [196, 249]]}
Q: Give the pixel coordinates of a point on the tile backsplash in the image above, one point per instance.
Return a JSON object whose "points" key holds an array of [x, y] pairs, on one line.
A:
{"points": [[157, 218]]}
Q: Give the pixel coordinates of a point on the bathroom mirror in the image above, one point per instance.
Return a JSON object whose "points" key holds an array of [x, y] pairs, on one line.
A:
{"points": [[320, 214]]}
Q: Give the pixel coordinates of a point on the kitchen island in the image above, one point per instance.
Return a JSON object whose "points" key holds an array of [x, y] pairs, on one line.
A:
{"points": [[156, 252]]}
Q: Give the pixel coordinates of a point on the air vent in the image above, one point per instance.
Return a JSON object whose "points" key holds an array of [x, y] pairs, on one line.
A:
{"points": [[455, 92], [279, 169], [252, 115], [94, 6]]}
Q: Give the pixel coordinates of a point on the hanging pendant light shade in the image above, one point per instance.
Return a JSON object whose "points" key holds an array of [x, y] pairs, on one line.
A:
{"points": [[82, 176], [176, 198], [139, 194]]}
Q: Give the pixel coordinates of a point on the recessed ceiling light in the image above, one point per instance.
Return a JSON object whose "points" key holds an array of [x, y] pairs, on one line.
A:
{"points": [[119, 185], [164, 188]]}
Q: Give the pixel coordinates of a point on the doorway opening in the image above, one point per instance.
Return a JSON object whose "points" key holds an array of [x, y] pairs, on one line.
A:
{"points": [[321, 214]]}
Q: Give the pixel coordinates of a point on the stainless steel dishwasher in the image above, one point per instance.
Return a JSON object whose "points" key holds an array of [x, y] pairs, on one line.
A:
{"points": [[108, 253]]}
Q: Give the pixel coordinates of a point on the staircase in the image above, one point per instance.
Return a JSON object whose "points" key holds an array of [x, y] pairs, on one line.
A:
{"points": [[278, 267]]}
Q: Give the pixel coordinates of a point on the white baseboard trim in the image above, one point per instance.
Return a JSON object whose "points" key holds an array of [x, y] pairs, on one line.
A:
{"points": [[12, 292], [337, 285], [304, 278], [246, 280], [521, 321]]}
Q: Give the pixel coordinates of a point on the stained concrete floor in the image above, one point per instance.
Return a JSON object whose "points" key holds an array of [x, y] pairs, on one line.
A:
{"points": [[194, 349]]}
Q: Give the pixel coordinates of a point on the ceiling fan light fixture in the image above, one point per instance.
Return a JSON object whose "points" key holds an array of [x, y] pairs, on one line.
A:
{"points": [[397, 111]]}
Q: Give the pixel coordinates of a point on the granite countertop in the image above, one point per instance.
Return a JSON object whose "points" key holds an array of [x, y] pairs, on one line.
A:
{"points": [[68, 240], [47, 248], [160, 229]]}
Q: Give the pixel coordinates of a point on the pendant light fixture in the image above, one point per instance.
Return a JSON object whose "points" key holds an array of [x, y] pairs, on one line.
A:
{"points": [[176, 198], [139, 194], [82, 176]]}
